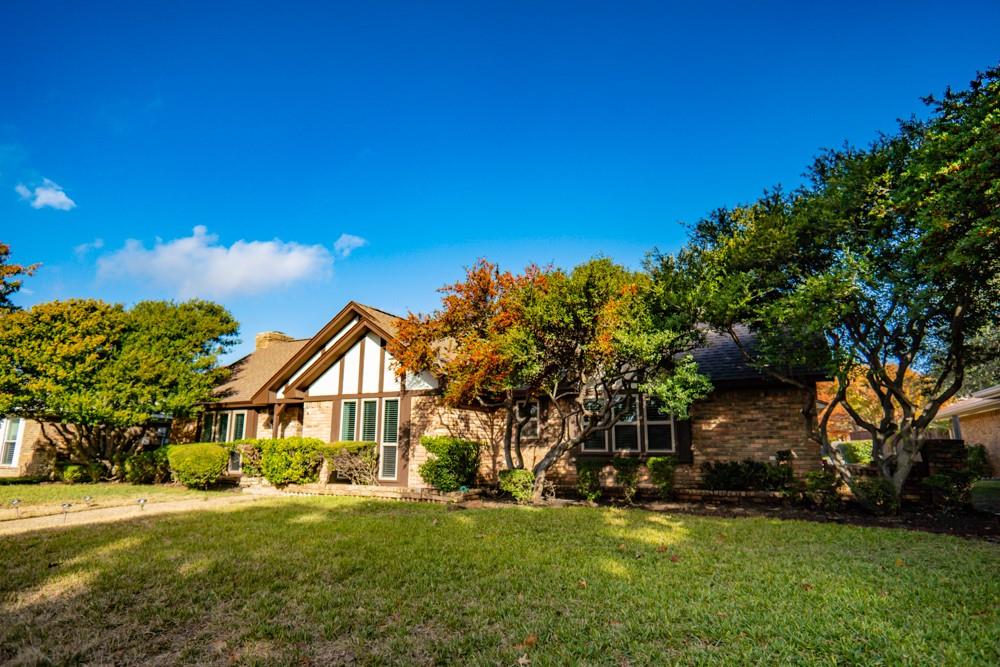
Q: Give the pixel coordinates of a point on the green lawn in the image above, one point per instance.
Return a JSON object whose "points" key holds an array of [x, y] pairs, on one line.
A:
{"points": [[41, 499], [337, 580]]}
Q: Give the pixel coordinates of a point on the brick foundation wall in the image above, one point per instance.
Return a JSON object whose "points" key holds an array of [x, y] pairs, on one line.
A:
{"points": [[984, 429], [317, 418]]}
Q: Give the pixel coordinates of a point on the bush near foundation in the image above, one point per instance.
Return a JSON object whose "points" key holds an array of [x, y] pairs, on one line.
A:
{"points": [[198, 465], [454, 462], [518, 483]]}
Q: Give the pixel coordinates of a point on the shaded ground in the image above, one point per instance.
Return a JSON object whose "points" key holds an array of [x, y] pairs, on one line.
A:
{"points": [[353, 581]]}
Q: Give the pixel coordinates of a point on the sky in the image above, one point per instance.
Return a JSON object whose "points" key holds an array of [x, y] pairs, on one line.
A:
{"points": [[285, 158]]}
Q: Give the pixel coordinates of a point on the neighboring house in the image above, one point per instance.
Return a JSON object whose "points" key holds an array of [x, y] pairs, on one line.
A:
{"points": [[341, 384], [976, 420]]}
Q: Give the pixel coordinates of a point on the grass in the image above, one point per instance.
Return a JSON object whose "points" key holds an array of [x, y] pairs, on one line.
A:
{"points": [[338, 580], [47, 498]]}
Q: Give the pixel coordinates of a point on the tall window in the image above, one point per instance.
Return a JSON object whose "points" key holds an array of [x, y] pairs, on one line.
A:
{"points": [[239, 425], [369, 420], [207, 427], [390, 439], [10, 428], [625, 433], [348, 419], [222, 427], [530, 429], [659, 426]]}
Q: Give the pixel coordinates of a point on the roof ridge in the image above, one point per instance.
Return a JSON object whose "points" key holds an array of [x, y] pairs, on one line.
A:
{"points": [[378, 310]]}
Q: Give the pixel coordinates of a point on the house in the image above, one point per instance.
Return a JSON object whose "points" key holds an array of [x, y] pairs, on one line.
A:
{"points": [[976, 420], [341, 384]]}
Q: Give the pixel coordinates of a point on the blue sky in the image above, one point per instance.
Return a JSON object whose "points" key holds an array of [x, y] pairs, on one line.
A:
{"points": [[169, 150]]}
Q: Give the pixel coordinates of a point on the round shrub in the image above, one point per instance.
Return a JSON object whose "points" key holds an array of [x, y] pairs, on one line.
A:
{"points": [[198, 466], [75, 473], [518, 483], [291, 460], [150, 467], [454, 462], [661, 473], [856, 451], [588, 478], [627, 476]]}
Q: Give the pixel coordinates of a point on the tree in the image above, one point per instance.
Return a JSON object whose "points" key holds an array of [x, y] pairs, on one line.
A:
{"points": [[865, 401], [97, 371], [889, 256], [10, 283], [983, 370], [587, 341]]}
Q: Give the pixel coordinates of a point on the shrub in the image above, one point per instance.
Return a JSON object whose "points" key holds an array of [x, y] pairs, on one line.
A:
{"points": [[355, 461], [876, 494], [746, 475], [198, 465], [820, 489], [75, 473], [454, 464], [627, 476], [518, 483], [291, 460], [857, 452], [661, 473], [149, 467], [985, 495], [588, 478], [250, 455]]}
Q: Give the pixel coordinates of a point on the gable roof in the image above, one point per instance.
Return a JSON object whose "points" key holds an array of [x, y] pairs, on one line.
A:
{"points": [[721, 359], [369, 319], [253, 370]]}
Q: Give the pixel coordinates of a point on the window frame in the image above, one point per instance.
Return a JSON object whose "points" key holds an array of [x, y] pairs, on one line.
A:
{"points": [[394, 443], [18, 439], [361, 419], [647, 422], [641, 424], [537, 419], [636, 424], [354, 426]]}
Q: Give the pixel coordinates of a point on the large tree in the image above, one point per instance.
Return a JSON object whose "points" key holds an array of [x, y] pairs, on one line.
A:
{"points": [[96, 371], [587, 341], [11, 277], [889, 255]]}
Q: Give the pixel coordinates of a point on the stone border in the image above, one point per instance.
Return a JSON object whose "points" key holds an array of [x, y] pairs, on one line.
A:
{"points": [[708, 494], [390, 492]]}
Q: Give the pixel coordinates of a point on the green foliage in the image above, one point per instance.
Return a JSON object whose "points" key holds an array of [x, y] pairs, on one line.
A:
{"points": [[198, 465], [107, 370], [588, 478], [746, 475], [10, 281], [75, 473], [661, 473], [518, 483], [627, 476], [820, 489], [856, 451], [952, 487], [291, 460], [149, 467], [250, 456], [454, 462], [876, 494], [985, 495]]}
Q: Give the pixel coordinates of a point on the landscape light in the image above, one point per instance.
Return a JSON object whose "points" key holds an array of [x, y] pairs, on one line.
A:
{"points": [[16, 503], [142, 503], [65, 509]]}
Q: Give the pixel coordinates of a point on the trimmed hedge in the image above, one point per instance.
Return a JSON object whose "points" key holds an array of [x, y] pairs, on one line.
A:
{"points": [[661, 473], [291, 460], [198, 465], [454, 462], [518, 483], [856, 451], [588, 478], [746, 475], [75, 473], [151, 467]]}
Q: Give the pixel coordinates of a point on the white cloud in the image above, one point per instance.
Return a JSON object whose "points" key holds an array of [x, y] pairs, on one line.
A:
{"points": [[48, 194], [348, 243], [82, 249], [198, 265]]}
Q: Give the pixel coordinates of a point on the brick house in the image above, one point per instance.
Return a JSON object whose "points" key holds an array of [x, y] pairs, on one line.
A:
{"points": [[976, 420], [341, 384]]}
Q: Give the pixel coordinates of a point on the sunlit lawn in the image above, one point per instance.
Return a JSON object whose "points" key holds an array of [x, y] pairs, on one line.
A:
{"points": [[336, 580], [40, 499]]}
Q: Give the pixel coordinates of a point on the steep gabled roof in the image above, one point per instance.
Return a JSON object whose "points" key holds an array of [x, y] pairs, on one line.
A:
{"points": [[721, 359], [369, 319], [252, 371]]}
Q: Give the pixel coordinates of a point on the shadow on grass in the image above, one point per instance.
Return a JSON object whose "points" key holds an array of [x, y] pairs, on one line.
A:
{"points": [[344, 580]]}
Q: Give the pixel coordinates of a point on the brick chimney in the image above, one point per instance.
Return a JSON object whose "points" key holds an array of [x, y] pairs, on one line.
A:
{"points": [[265, 338]]}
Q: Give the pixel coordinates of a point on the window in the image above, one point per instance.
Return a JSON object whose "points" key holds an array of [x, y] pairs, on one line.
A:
{"points": [[10, 432], [530, 429], [221, 426], [390, 439], [207, 427], [596, 441], [239, 425], [369, 420], [348, 417], [659, 425], [235, 461], [625, 433]]}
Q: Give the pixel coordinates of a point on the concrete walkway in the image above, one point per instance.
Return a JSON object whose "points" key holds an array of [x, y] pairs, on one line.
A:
{"points": [[120, 513]]}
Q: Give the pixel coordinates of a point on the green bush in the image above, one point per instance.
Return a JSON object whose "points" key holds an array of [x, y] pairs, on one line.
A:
{"points": [[876, 494], [588, 478], [661, 473], [291, 460], [198, 465], [952, 487], [356, 461], [75, 473], [518, 483], [985, 495], [627, 476], [250, 455], [150, 467], [746, 475], [454, 464], [856, 451], [820, 489]]}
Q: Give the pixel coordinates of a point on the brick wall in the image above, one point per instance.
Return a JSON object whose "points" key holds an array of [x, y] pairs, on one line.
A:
{"points": [[33, 458], [428, 416], [317, 419], [984, 429]]}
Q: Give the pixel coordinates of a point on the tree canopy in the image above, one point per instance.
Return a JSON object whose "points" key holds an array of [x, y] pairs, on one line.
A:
{"points": [[10, 277]]}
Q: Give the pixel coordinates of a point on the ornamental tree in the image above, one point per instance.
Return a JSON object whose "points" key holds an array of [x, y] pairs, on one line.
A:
{"points": [[889, 256], [96, 371], [10, 281]]}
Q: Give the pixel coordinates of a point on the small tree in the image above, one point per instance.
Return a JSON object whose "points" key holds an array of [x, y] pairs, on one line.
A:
{"points": [[10, 282], [96, 371]]}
